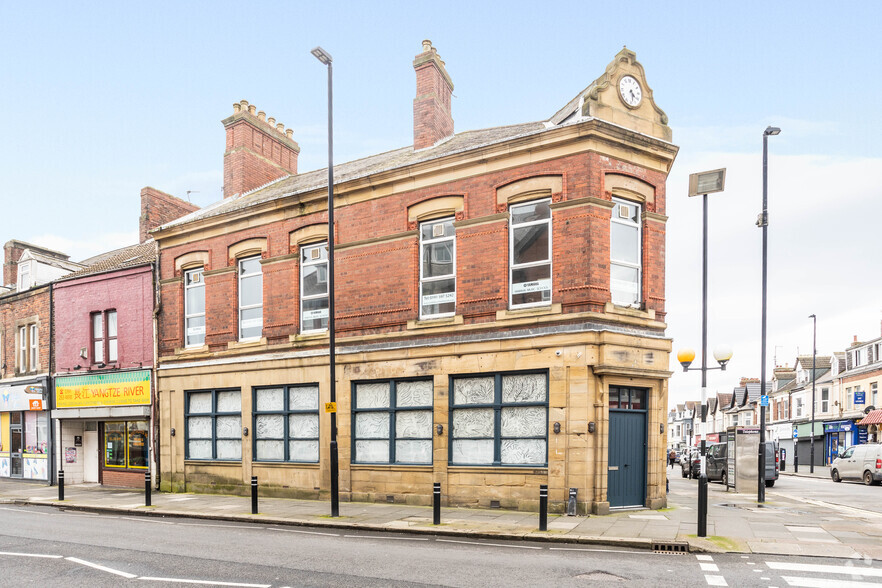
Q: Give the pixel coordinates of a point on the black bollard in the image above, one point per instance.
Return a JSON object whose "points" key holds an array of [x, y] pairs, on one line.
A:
{"points": [[436, 504], [702, 505], [543, 507], [253, 494], [60, 484], [147, 489]]}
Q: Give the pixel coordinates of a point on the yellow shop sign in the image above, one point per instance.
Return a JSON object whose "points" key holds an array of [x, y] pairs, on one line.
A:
{"points": [[116, 389]]}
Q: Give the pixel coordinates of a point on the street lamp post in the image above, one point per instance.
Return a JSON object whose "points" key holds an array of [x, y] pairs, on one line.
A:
{"points": [[704, 183], [326, 59], [814, 356], [763, 222]]}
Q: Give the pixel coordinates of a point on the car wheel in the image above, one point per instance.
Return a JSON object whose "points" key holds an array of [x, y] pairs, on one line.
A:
{"points": [[770, 483], [724, 478], [835, 475], [868, 478]]}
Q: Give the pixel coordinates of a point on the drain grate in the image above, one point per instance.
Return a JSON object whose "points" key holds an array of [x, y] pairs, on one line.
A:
{"points": [[670, 547]]}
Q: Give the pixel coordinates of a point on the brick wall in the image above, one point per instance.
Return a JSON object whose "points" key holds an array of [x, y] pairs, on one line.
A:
{"points": [[122, 479], [16, 310], [158, 208], [432, 117], [377, 284]]}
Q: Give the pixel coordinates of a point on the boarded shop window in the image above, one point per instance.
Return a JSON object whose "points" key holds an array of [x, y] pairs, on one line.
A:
{"points": [[530, 254], [194, 308], [499, 419], [314, 288], [214, 425], [126, 444], [392, 421], [437, 268], [286, 423], [625, 253]]}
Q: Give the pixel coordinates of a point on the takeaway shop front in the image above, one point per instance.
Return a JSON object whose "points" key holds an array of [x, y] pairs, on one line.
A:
{"points": [[24, 430], [103, 426]]}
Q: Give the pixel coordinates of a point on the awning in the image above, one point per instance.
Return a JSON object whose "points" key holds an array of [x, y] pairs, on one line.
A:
{"points": [[874, 418]]}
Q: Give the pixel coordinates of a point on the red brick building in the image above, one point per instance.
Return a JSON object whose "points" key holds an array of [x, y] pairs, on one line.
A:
{"points": [[499, 310]]}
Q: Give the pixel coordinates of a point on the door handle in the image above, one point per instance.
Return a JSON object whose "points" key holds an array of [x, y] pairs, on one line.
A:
{"points": [[626, 465]]}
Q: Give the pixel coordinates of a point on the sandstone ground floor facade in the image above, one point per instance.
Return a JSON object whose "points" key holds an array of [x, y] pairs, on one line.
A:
{"points": [[491, 416]]}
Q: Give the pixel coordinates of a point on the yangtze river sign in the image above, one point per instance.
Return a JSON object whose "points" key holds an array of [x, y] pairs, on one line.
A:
{"points": [[116, 389]]}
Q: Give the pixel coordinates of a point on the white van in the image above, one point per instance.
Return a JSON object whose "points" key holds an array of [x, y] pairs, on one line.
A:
{"points": [[859, 462]]}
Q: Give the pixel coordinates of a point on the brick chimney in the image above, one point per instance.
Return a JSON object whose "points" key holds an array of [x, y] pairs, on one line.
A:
{"points": [[12, 251], [432, 118], [158, 208], [259, 151]]}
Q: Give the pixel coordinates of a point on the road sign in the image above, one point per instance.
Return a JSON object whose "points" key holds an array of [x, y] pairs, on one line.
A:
{"points": [[764, 400], [795, 433], [330, 407]]}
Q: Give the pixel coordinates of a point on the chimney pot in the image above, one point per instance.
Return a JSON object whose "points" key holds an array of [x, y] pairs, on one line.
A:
{"points": [[289, 133], [252, 109], [261, 115], [280, 127], [271, 121], [855, 338], [243, 104], [236, 107], [427, 46]]}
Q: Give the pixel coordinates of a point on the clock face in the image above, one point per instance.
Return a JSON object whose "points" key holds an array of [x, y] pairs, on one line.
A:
{"points": [[629, 88]]}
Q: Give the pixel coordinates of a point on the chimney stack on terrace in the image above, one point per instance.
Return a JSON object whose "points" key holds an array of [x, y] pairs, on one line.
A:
{"points": [[258, 152], [432, 118]]}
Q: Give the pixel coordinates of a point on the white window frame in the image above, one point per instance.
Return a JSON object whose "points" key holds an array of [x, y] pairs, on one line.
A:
{"points": [[303, 298], [23, 349], [34, 347], [857, 357], [874, 394], [613, 261], [242, 308], [24, 271], [548, 261], [188, 316], [799, 404], [424, 279], [825, 402]]}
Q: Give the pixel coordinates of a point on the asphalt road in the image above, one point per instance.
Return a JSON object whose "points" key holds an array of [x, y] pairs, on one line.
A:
{"points": [[50, 547]]}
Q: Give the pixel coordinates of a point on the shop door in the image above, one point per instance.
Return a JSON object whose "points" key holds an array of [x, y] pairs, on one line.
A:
{"points": [[15, 442], [90, 456], [626, 485]]}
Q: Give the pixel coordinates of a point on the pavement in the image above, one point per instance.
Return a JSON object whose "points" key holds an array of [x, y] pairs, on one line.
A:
{"points": [[783, 525]]}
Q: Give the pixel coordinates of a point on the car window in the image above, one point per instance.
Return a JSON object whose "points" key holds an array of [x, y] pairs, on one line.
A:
{"points": [[848, 453]]}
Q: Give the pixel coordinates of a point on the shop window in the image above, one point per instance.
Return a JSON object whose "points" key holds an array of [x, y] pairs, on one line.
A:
{"points": [[286, 423], [392, 421], [28, 347], [214, 425], [530, 254], [36, 431], [126, 444], [625, 253], [314, 288], [437, 268], [499, 419], [194, 308], [104, 337], [250, 299]]}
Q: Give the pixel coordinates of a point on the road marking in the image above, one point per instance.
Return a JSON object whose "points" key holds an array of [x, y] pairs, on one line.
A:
{"points": [[180, 498], [124, 494], [392, 538], [805, 529], [704, 558], [221, 526], [24, 510], [210, 582], [715, 580], [486, 544], [650, 517], [303, 532], [825, 569], [30, 555], [709, 567], [857, 511], [825, 583], [750, 563], [102, 568], [146, 520], [602, 550]]}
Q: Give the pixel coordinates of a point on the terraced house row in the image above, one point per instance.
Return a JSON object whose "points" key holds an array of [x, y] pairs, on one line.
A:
{"points": [[499, 312]]}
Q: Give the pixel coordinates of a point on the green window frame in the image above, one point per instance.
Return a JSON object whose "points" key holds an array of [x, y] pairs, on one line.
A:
{"points": [[213, 424], [298, 414]]}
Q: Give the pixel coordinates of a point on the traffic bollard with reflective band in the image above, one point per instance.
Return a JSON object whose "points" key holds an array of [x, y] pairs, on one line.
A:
{"points": [[253, 494], [543, 507], [147, 489], [60, 484], [702, 505], [436, 504]]}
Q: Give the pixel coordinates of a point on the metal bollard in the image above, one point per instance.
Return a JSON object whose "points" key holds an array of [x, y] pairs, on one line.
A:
{"points": [[147, 489], [436, 504], [253, 494], [60, 484], [543, 507], [702, 505]]}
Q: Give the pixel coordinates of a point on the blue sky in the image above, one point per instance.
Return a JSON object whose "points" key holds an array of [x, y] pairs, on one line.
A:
{"points": [[101, 99]]}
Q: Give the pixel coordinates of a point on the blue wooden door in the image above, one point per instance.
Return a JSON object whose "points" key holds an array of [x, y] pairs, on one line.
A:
{"points": [[627, 458]]}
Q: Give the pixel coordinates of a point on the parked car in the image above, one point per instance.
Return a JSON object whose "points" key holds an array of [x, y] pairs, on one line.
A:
{"points": [[691, 465], [859, 462], [718, 463]]}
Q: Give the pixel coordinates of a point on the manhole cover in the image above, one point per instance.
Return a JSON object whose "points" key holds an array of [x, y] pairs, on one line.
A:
{"points": [[601, 576]]}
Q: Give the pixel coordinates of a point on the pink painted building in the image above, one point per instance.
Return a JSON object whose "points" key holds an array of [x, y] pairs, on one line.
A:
{"points": [[103, 364]]}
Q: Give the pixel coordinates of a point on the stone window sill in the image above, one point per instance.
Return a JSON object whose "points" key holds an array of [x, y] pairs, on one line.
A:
{"points": [[247, 344], [502, 315], [447, 321]]}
